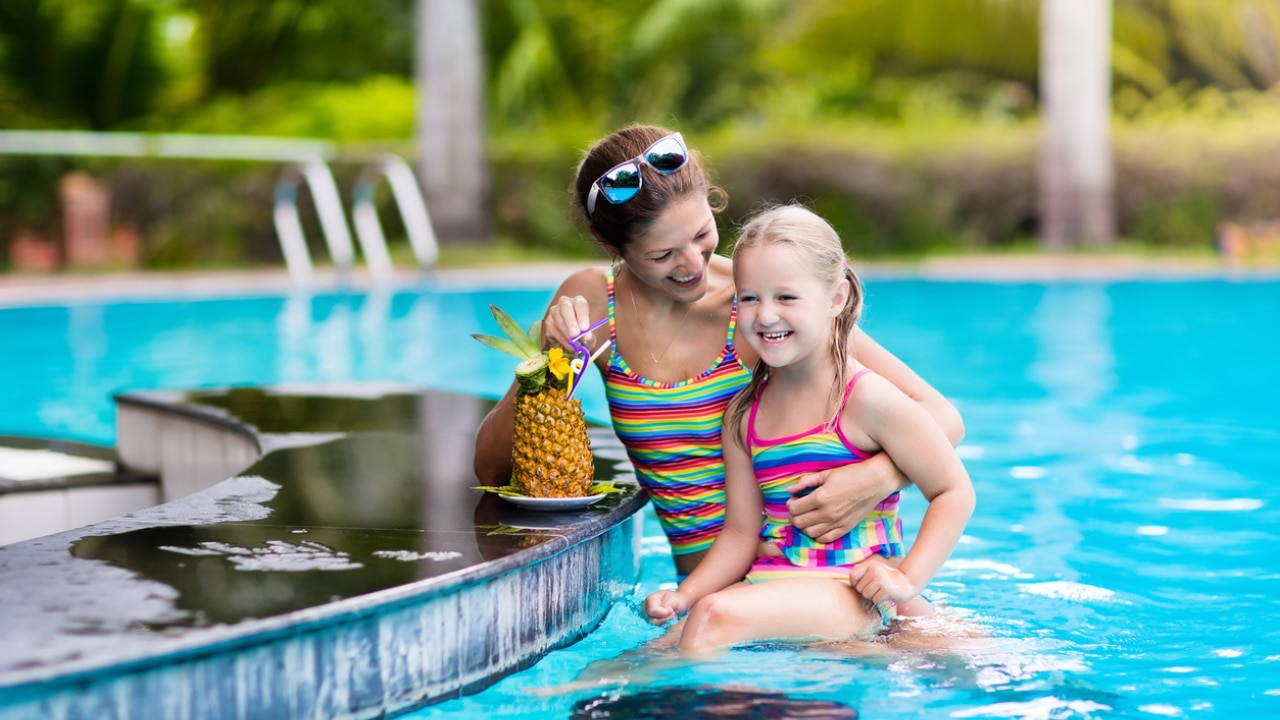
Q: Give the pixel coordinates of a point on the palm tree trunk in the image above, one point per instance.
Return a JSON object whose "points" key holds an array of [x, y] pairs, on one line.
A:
{"points": [[1075, 167], [450, 119]]}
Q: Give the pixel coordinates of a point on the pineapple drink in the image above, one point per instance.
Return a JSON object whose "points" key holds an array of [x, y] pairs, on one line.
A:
{"points": [[550, 451]]}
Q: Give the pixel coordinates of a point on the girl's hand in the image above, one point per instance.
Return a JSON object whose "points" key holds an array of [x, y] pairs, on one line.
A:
{"points": [[664, 606], [881, 582], [567, 317], [842, 497]]}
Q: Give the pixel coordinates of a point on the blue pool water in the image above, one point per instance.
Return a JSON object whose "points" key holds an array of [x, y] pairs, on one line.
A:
{"points": [[1122, 438]]}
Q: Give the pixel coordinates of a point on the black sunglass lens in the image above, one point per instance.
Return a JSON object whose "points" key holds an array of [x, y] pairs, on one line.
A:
{"points": [[667, 155]]}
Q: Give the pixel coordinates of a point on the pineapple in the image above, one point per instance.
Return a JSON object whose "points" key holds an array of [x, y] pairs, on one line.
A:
{"points": [[550, 453]]}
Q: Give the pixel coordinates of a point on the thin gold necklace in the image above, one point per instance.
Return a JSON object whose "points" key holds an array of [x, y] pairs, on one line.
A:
{"points": [[657, 360]]}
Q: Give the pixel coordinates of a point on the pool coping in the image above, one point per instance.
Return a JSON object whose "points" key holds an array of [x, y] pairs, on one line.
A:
{"points": [[31, 288]]}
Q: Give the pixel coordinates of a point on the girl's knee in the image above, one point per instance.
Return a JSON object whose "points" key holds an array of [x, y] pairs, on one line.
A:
{"points": [[711, 623], [917, 606]]}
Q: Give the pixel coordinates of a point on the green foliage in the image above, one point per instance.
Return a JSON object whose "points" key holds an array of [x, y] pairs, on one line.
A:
{"points": [[889, 189], [195, 214], [94, 65], [1185, 46], [29, 194], [248, 44], [910, 125], [1186, 221], [378, 107], [998, 39]]}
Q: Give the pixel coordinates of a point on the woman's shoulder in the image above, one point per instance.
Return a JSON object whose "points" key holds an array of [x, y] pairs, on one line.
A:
{"points": [[589, 282], [720, 270]]}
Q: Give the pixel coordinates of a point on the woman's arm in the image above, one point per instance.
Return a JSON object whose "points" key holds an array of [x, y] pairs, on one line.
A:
{"points": [[842, 497], [901, 428], [578, 297], [494, 438], [887, 365], [733, 550]]}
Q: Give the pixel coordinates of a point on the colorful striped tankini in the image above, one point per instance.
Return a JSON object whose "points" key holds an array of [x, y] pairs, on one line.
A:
{"points": [[672, 435], [780, 462]]}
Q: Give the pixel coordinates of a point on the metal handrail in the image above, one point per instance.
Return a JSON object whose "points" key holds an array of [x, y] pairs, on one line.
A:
{"points": [[413, 211], [162, 145], [307, 158], [333, 221]]}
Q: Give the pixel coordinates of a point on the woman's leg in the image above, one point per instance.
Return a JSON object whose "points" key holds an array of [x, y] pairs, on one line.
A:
{"points": [[786, 609]]}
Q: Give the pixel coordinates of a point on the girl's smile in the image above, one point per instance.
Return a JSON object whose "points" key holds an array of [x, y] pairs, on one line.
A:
{"points": [[785, 310]]}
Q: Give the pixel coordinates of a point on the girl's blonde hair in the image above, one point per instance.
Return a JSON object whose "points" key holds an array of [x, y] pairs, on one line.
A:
{"points": [[818, 245]]}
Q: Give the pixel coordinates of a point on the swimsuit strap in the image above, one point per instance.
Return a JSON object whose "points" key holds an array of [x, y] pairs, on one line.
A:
{"points": [[848, 389], [751, 417], [733, 320], [835, 421], [832, 425], [613, 330]]}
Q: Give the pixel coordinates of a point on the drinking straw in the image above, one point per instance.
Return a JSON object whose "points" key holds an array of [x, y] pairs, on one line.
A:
{"points": [[582, 356]]}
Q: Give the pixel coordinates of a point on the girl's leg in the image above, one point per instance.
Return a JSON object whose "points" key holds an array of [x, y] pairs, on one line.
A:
{"points": [[915, 607], [786, 609]]}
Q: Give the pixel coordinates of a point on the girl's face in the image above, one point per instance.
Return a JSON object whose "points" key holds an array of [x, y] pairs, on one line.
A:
{"points": [[673, 253], [783, 309]]}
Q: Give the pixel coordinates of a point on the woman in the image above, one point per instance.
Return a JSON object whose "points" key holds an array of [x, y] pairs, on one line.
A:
{"points": [[673, 364]]}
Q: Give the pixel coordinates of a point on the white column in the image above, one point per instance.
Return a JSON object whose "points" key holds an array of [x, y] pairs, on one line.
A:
{"points": [[1075, 167], [451, 119]]}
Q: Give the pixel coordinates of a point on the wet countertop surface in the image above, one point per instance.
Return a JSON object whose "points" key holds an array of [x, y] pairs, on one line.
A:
{"points": [[364, 495]]}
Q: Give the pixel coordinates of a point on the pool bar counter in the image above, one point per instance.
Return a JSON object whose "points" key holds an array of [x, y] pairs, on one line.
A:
{"points": [[322, 552]]}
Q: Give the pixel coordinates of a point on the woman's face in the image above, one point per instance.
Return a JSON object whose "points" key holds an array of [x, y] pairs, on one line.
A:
{"points": [[673, 252]]}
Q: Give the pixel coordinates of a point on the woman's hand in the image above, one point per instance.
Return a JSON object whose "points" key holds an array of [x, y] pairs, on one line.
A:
{"points": [[881, 582], [842, 497], [567, 317], [664, 606]]}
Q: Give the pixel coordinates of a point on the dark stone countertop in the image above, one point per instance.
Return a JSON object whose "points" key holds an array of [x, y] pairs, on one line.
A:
{"points": [[363, 498]]}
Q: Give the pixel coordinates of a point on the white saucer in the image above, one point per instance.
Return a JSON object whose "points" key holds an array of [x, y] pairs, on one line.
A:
{"points": [[552, 503]]}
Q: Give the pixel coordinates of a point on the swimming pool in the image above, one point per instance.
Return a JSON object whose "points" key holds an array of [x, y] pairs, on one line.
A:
{"points": [[1121, 435]]}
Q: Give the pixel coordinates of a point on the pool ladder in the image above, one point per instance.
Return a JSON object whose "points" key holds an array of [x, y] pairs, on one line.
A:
{"points": [[333, 221]]}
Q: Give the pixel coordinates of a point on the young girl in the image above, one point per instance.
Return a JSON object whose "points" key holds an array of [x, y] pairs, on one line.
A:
{"points": [[811, 406], [673, 364]]}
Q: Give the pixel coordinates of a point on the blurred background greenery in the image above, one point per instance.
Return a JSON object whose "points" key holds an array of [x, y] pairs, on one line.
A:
{"points": [[912, 126]]}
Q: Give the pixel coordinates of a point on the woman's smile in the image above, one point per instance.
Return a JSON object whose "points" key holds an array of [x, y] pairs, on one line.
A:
{"points": [[685, 282]]}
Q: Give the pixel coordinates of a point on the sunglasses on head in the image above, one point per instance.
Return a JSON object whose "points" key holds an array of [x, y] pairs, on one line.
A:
{"points": [[623, 181]]}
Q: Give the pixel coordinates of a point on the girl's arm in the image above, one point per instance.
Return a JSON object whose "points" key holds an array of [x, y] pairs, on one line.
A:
{"points": [[902, 429], [733, 550], [842, 497], [578, 297]]}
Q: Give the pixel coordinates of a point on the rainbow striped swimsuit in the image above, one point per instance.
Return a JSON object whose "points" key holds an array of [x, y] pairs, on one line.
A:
{"points": [[672, 435], [778, 463]]}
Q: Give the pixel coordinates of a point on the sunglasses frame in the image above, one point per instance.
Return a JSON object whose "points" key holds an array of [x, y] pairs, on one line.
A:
{"points": [[641, 159]]}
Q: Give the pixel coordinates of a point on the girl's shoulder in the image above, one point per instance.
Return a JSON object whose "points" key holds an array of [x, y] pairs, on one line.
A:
{"points": [[868, 390], [873, 403]]}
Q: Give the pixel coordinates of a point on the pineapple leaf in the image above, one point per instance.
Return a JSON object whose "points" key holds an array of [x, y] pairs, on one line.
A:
{"points": [[499, 489], [502, 344], [535, 334], [512, 330]]}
